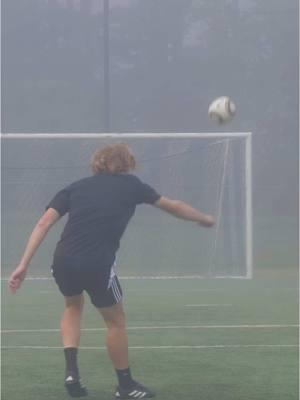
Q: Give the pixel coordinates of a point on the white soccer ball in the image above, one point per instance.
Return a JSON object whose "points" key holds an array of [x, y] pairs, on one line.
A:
{"points": [[222, 109]]}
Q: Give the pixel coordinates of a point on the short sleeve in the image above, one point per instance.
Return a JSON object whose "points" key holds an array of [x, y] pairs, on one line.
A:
{"points": [[60, 202], [146, 194]]}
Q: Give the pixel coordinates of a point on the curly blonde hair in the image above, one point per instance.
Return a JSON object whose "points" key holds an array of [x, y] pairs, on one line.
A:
{"points": [[115, 159]]}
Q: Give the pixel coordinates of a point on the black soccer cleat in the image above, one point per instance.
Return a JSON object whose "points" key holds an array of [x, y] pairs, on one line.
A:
{"points": [[138, 391], [74, 387]]}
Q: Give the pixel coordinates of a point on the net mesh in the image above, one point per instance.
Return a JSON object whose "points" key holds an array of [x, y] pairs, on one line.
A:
{"points": [[208, 173]]}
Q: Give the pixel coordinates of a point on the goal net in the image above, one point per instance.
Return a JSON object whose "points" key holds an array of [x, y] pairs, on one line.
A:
{"points": [[212, 172]]}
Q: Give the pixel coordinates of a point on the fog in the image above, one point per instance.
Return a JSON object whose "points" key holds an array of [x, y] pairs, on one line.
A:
{"points": [[157, 71]]}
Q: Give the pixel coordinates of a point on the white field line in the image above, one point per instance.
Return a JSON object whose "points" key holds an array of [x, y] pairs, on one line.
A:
{"points": [[208, 305], [183, 277], [274, 326], [217, 346], [122, 136], [33, 278], [158, 277]]}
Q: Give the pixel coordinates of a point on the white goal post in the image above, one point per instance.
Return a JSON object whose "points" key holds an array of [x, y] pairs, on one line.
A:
{"points": [[226, 137]]}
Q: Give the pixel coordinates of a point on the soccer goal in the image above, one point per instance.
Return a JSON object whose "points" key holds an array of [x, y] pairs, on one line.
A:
{"points": [[211, 171]]}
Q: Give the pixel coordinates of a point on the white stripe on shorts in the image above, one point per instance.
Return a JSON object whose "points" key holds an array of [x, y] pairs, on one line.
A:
{"points": [[119, 291], [112, 274], [115, 290]]}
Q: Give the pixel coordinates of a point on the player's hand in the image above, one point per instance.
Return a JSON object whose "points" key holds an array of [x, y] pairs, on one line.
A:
{"points": [[207, 221], [16, 278]]}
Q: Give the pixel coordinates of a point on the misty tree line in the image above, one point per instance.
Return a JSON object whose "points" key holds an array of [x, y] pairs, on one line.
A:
{"points": [[168, 60]]}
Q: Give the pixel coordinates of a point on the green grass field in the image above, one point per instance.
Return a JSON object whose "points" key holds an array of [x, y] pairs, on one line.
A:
{"points": [[189, 339]]}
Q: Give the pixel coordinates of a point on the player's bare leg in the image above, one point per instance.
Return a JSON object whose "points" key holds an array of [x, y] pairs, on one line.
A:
{"points": [[70, 333], [116, 337], [117, 348], [71, 320]]}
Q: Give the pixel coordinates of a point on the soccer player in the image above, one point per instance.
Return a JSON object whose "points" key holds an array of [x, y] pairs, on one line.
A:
{"points": [[99, 208]]}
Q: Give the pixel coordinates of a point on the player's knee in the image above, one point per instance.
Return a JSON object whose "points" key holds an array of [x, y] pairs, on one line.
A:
{"points": [[116, 321]]}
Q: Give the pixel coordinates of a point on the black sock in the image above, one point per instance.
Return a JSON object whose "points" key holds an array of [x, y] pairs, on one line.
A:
{"points": [[125, 378], [71, 360]]}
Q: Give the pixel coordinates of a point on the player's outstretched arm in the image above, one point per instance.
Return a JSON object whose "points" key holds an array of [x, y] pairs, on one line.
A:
{"points": [[38, 234], [183, 210]]}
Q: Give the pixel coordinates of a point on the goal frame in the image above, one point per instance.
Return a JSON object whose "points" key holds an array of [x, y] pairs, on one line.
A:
{"points": [[247, 136]]}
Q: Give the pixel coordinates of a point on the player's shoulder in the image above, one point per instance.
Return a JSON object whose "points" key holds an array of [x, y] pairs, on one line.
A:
{"points": [[80, 182], [132, 178], [104, 179]]}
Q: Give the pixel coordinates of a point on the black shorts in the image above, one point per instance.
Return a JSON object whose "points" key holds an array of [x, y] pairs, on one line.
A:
{"points": [[104, 291]]}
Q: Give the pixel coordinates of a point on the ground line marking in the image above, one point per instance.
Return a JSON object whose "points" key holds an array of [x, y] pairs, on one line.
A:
{"points": [[217, 346], [208, 305], [144, 277], [160, 327], [180, 277]]}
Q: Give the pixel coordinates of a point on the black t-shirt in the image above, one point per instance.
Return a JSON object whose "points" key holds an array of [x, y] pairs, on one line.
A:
{"points": [[99, 208]]}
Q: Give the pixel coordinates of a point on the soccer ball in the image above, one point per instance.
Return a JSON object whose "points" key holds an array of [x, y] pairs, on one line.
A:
{"points": [[222, 109]]}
